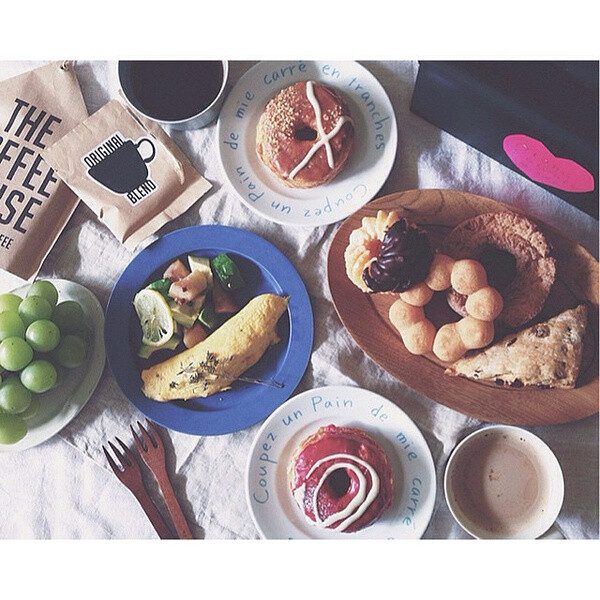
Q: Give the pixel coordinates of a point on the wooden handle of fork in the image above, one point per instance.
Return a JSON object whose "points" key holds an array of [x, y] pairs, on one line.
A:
{"points": [[179, 521], [153, 514]]}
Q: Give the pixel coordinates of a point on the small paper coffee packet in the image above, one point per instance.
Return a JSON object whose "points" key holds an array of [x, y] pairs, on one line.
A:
{"points": [[36, 109], [128, 171]]}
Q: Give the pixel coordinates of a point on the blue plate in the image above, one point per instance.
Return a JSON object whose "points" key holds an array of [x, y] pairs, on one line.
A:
{"points": [[265, 269]]}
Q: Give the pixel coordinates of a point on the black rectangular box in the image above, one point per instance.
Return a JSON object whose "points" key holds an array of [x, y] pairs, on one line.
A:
{"points": [[539, 118]]}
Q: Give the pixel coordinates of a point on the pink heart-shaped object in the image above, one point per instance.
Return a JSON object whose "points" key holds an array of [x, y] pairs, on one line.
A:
{"points": [[538, 163]]}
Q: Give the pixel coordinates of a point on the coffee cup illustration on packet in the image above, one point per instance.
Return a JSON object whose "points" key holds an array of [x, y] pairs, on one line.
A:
{"points": [[37, 108], [128, 171]]}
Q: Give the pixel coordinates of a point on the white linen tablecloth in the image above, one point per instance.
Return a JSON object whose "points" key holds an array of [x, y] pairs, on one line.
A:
{"points": [[64, 487]]}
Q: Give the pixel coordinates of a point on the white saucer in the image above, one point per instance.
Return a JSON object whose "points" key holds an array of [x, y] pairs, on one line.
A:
{"points": [[375, 142], [273, 509]]}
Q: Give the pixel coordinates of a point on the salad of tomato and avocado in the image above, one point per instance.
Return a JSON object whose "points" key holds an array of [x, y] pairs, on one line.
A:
{"points": [[191, 299]]}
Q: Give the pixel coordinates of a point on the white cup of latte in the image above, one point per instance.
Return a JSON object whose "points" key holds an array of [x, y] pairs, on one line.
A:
{"points": [[503, 482]]}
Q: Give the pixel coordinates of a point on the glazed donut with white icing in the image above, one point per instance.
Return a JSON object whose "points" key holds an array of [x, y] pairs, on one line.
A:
{"points": [[341, 479], [305, 134]]}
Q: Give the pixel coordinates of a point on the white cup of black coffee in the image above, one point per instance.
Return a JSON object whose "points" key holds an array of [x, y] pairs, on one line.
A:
{"points": [[503, 482], [180, 94]]}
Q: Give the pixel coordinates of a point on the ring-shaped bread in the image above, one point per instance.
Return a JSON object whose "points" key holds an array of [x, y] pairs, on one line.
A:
{"points": [[407, 265], [451, 341], [487, 237], [305, 134], [341, 478]]}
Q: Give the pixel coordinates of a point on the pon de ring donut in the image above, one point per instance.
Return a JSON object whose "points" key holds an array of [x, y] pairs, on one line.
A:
{"points": [[476, 330]]}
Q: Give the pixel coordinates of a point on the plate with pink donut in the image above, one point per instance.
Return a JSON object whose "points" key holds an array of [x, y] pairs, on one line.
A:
{"points": [[307, 142], [340, 462]]}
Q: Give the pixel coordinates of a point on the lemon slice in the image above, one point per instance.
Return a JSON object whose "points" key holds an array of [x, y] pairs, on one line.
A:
{"points": [[155, 317]]}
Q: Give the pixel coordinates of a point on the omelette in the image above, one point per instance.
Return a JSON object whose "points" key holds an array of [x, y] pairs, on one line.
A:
{"points": [[213, 364]]}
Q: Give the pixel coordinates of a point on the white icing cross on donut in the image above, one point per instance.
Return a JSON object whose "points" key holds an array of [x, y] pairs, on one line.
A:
{"points": [[324, 138]]}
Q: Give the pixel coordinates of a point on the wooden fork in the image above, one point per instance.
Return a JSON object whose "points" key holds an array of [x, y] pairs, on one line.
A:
{"points": [[130, 475], [152, 451]]}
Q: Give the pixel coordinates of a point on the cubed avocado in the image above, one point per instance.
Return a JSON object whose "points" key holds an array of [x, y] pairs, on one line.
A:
{"points": [[207, 315], [187, 314], [146, 351], [201, 263]]}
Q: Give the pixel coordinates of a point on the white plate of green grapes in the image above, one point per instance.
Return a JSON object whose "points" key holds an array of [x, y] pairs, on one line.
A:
{"points": [[51, 359]]}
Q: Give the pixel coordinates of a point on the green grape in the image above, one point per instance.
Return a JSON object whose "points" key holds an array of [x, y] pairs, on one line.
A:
{"points": [[42, 335], [32, 409], [70, 352], [69, 317], [34, 308], [85, 333], [39, 376], [14, 396], [61, 374], [12, 428], [46, 290], [9, 302], [11, 325], [15, 354]]}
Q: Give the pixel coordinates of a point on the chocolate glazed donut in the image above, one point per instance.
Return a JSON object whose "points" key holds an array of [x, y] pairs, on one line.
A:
{"points": [[341, 478], [305, 135]]}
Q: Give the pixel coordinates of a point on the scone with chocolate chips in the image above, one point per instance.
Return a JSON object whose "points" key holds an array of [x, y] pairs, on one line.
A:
{"points": [[547, 355]]}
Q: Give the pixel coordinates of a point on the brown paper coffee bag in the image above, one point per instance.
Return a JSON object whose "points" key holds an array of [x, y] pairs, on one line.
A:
{"points": [[128, 171], [36, 109]]}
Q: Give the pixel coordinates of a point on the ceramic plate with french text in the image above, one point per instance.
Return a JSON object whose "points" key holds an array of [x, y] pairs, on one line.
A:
{"points": [[272, 506], [375, 142], [60, 406]]}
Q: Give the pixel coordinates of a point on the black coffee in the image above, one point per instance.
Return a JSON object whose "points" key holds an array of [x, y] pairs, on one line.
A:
{"points": [[168, 90]]}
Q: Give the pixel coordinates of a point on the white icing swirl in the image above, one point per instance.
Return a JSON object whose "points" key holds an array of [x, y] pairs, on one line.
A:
{"points": [[324, 138], [357, 506]]}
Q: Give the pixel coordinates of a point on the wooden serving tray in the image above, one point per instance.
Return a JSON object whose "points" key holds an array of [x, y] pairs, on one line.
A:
{"points": [[365, 316]]}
